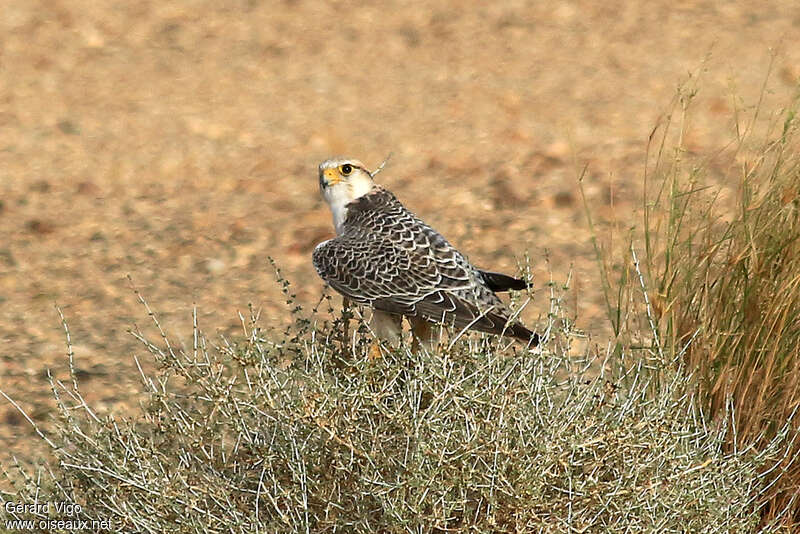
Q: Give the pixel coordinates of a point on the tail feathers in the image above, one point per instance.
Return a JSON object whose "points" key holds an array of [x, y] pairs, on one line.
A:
{"points": [[502, 282], [447, 308], [517, 331], [496, 324]]}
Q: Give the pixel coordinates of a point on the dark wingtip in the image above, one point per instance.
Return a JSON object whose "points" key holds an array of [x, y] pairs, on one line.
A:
{"points": [[534, 340], [502, 282], [517, 331]]}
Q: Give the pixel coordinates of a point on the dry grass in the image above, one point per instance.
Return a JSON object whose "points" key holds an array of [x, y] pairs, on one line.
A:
{"points": [[298, 431], [726, 279]]}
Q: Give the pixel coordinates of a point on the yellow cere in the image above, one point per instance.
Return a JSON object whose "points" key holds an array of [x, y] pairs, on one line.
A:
{"points": [[332, 176]]}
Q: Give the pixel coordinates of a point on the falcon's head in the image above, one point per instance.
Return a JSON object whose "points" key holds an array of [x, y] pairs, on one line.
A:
{"points": [[342, 180], [344, 177]]}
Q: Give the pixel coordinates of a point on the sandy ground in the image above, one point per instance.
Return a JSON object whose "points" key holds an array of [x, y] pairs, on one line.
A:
{"points": [[177, 142]]}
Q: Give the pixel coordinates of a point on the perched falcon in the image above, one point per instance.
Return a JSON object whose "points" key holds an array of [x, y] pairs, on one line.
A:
{"points": [[387, 258]]}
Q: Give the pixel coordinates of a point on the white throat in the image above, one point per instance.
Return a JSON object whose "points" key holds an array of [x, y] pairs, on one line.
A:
{"points": [[338, 203], [340, 195]]}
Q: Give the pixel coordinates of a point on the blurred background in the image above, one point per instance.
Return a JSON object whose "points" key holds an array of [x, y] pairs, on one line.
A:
{"points": [[178, 142]]}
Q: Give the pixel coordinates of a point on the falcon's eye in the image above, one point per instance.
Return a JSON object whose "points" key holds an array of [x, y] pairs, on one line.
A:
{"points": [[346, 169]]}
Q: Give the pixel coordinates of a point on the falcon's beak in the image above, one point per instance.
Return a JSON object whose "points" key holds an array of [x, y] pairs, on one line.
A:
{"points": [[329, 177]]}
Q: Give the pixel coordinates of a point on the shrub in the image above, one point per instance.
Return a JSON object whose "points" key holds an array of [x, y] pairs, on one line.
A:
{"points": [[299, 431]]}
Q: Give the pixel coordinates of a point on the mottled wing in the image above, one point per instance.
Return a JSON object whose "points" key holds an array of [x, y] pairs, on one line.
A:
{"points": [[391, 260], [374, 270]]}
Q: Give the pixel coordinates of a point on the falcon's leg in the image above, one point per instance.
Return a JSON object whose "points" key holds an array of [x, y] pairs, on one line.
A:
{"points": [[388, 327], [426, 335]]}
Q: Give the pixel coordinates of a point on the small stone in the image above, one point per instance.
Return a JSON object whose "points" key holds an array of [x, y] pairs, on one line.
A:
{"points": [[564, 199], [505, 192], [40, 227], [215, 265], [88, 188], [12, 417], [68, 127]]}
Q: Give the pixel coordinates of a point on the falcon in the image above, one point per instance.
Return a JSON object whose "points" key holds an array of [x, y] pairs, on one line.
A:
{"points": [[386, 258]]}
